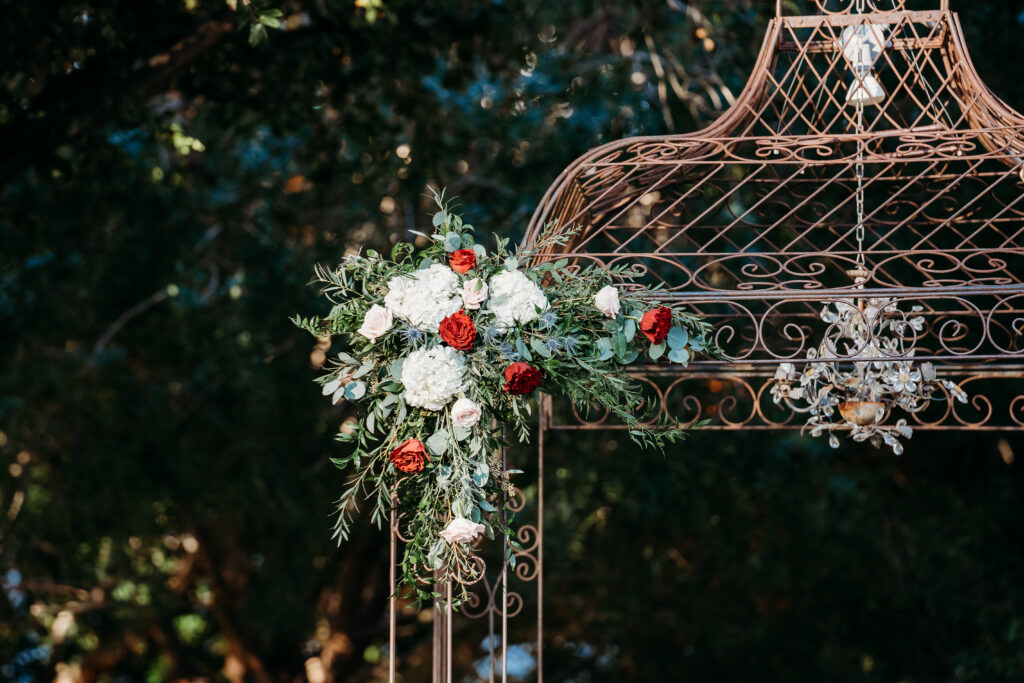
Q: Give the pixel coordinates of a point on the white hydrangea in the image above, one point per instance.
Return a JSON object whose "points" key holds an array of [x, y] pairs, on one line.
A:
{"points": [[433, 376], [515, 298], [424, 297]]}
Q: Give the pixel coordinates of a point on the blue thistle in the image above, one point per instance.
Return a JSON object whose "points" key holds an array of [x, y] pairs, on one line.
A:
{"points": [[508, 352], [554, 345], [411, 335], [492, 333], [547, 320], [570, 344]]}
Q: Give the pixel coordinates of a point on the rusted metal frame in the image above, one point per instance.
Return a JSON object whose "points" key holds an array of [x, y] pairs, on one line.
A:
{"points": [[842, 110], [948, 221], [899, 44], [991, 221], [947, 82], [672, 173], [697, 185], [731, 118], [543, 420], [797, 110], [746, 370], [767, 77], [992, 101], [902, 224], [826, 295], [730, 143], [715, 206], [844, 20], [1014, 236], [780, 223], [588, 238], [912, 227], [746, 427], [903, 87], [841, 237], [945, 87]]}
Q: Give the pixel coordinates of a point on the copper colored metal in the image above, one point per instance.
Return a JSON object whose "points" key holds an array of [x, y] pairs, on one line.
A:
{"points": [[752, 224], [861, 413]]}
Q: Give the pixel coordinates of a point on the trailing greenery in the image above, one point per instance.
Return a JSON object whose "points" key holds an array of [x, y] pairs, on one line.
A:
{"points": [[582, 352]]}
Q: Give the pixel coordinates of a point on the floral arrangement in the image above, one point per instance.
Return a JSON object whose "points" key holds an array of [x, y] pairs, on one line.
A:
{"points": [[442, 351]]}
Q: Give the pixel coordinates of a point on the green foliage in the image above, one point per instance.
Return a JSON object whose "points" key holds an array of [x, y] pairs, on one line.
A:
{"points": [[155, 440], [572, 343]]}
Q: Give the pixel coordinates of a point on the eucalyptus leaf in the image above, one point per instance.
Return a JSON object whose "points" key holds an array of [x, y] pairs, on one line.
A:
{"points": [[677, 337], [620, 344], [452, 242], [523, 351], [656, 351], [331, 386], [355, 391], [538, 346], [604, 346], [437, 444], [396, 369], [363, 369], [462, 433], [629, 329], [679, 356], [425, 263], [481, 474]]}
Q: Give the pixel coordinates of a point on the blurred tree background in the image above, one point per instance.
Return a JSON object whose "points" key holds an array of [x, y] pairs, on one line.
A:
{"points": [[167, 187]]}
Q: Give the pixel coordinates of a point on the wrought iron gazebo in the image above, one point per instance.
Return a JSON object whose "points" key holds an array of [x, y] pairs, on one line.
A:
{"points": [[865, 161]]}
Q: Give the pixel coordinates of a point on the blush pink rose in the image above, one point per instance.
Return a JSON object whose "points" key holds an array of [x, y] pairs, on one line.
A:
{"points": [[461, 530]]}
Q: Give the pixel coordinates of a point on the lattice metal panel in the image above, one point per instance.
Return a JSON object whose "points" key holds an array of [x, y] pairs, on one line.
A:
{"points": [[752, 221]]}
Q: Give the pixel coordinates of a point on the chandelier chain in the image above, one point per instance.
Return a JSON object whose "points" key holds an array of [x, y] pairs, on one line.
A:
{"points": [[859, 171]]}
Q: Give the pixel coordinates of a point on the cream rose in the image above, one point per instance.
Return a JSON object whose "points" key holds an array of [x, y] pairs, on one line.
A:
{"points": [[607, 301], [461, 530], [474, 293], [378, 320], [465, 413]]}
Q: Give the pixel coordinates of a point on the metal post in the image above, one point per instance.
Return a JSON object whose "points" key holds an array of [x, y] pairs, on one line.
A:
{"points": [[542, 418], [392, 597]]}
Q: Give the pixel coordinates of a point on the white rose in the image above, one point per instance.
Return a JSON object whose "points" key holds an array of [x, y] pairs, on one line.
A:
{"points": [[461, 530], [465, 413], [607, 301], [378, 320], [474, 293]]}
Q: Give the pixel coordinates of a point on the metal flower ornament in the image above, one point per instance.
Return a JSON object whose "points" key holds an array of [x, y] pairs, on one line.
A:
{"points": [[862, 369], [441, 352]]}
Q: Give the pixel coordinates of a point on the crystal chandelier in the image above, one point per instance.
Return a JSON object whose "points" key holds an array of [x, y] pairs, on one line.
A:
{"points": [[863, 368]]}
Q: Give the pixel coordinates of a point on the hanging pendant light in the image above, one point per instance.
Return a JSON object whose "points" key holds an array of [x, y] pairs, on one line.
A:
{"points": [[862, 45]]}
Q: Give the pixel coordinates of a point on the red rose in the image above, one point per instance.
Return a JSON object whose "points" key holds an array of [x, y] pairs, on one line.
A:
{"points": [[462, 260], [410, 457], [655, 324], [522, 378], [458, 331]]}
